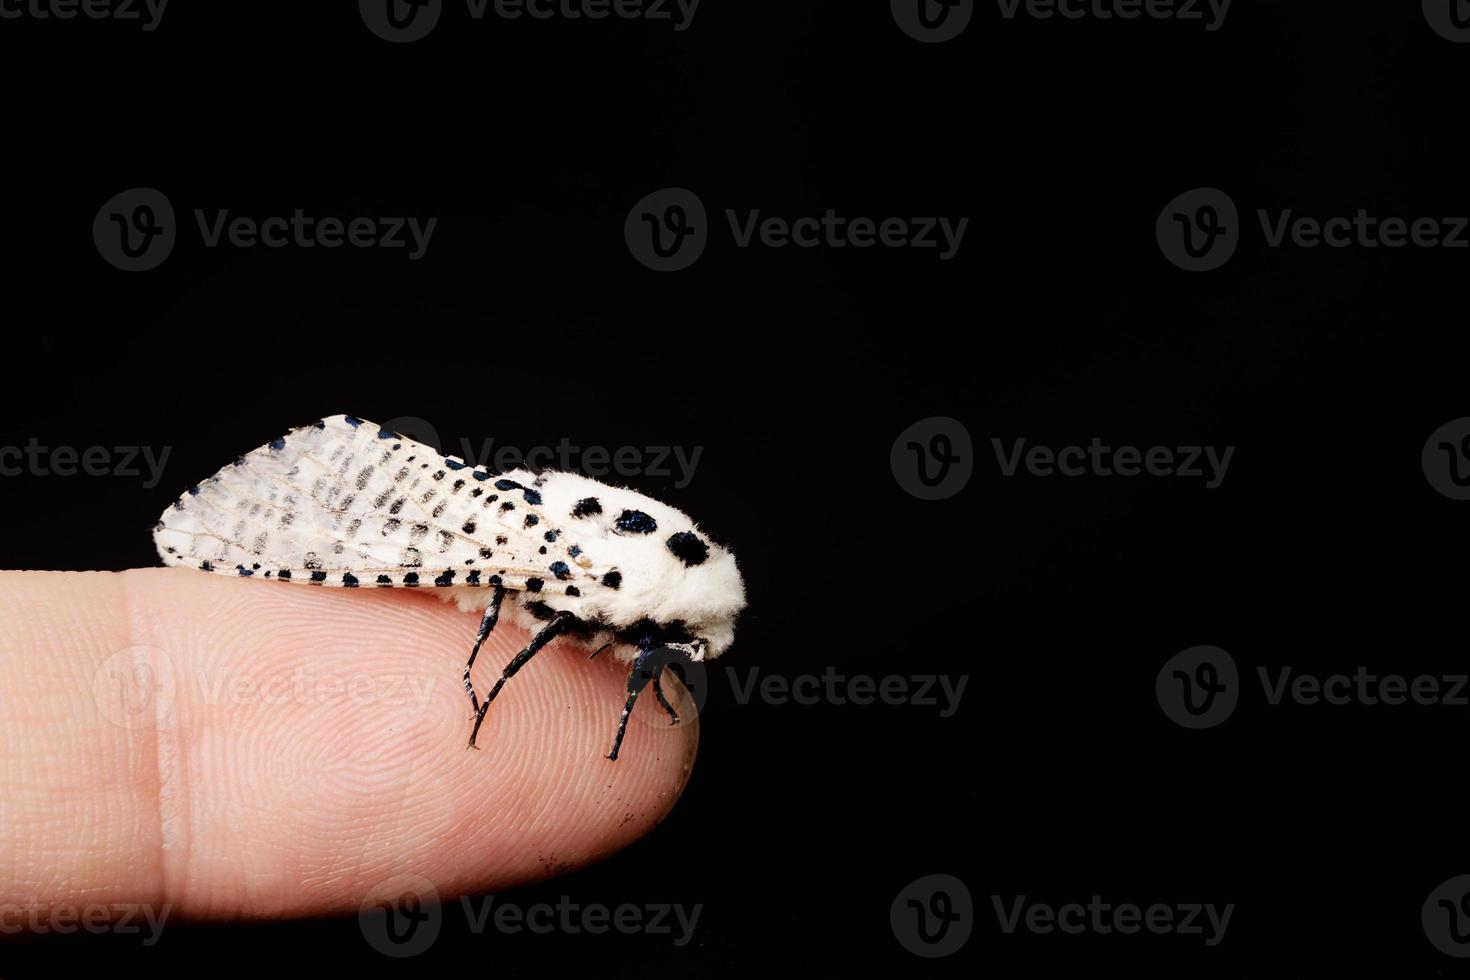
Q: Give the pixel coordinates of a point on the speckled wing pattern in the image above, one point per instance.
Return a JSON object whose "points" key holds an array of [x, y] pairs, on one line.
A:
{"points": [[345, 503]]}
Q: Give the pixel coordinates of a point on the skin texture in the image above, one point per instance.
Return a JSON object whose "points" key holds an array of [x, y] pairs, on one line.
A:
{"points": [[259, 749]]}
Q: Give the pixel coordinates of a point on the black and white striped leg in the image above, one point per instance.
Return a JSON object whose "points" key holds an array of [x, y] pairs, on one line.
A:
{"points": [[638, 678], [487, 623], [544, 636], [658, 692]]}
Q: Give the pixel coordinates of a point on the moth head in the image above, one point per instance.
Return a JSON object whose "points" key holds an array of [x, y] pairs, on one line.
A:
{"points": [[659, 577], [677, 590], [700, 595]]}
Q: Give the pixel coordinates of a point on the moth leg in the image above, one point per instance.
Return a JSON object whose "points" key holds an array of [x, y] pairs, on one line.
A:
{"points": [[638, 678], [492, 613], [544, 636], [658, 692]]}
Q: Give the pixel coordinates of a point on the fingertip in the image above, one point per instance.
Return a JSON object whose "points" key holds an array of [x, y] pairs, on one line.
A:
{"points": [[305, 744]]}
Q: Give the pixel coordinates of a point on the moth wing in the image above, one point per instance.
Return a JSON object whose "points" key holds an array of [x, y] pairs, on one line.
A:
{"points": [[344, 502]]}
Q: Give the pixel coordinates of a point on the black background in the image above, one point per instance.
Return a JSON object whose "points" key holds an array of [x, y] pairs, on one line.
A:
{"points": [[528, 321]]}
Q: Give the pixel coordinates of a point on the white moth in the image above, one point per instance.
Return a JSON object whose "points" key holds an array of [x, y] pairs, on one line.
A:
{"points": [[347, 504]]}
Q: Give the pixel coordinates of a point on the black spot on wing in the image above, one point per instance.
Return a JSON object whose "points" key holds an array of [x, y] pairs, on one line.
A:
{"points": [[530, 496], [635, 522], [687, 547], [586, 507]]}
